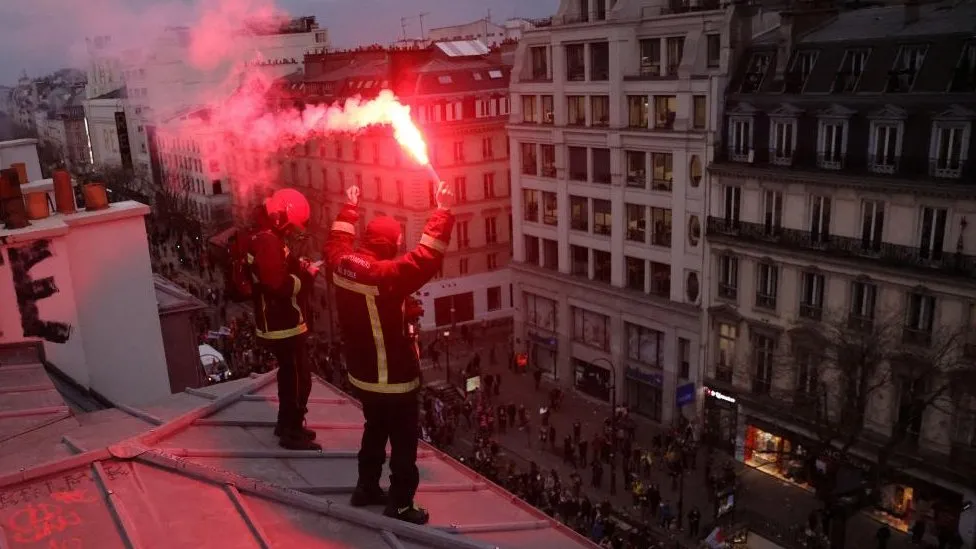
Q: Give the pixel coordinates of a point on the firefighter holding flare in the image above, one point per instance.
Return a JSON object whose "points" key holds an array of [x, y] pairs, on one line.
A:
{"points": [[373, 288]]}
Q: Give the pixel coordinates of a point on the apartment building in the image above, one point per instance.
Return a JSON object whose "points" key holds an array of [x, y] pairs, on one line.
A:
{"points": [[613, 103], [458, 93], [838, 222]]}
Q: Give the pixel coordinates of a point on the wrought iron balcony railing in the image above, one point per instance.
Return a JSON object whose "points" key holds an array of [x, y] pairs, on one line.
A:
{"points": [[884, 253]]}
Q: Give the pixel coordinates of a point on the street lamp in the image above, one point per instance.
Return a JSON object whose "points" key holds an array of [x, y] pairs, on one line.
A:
{"points": [[447, 352]]}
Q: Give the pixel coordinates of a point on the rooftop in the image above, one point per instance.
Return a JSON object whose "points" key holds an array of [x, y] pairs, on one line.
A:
{"points": [[889, 23], [110, 479], [173, 299]]}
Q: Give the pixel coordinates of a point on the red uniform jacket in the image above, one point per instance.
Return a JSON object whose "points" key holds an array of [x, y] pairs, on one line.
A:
{"points": [[279, 289], [370, 295]]}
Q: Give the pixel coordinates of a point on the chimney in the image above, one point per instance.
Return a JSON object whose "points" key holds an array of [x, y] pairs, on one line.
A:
{"points": [[911, 12]]}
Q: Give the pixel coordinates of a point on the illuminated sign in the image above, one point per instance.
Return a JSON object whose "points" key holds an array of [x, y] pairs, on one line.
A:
{"points": [[721, 396]]}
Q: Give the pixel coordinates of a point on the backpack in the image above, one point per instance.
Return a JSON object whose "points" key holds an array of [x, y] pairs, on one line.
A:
{"points": [[238, 283]]}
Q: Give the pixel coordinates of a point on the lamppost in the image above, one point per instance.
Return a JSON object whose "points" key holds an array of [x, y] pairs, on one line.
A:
{"points": [[447, 352]]}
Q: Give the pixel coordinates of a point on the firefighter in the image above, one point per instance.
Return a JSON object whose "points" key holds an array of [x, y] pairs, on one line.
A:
{"points": [[372, 285], [282, 283]]}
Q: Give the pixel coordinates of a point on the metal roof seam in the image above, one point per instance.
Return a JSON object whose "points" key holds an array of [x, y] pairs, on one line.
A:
{"points": [[513, 526], [141, 414], [247, 516], [72, 444], [26, 389], [199, 393], [390, 539], [125, 525], [50, 421], [25, 412], [54, 467]]}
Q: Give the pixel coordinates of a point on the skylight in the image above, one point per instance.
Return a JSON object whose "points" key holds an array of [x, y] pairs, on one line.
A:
{"points": [[445, 79], [495, 74]]}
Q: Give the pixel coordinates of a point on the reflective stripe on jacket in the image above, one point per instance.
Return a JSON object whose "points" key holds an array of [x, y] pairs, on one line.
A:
{"points": [[279, 311]]}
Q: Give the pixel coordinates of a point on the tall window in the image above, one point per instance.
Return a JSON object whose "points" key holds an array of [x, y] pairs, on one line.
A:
{"points": [[665, 111], [636, 169], [491, 230], [530, 164], [714, 49], [576, 110], [676, 50], [772, 212], [599, 110], [833, 143], [530, 204], [550, 254], [645, 345], [820, 219], [531, 249], [740, 139], [767, 284], [487, 151], [580, 257], [602, 217], [662, 165], [783, 138], [949, 145], [728, 276], [637, 106], [540, 63], [489, 184], [661, 279], [851, 68], [550, 208], [528, 109], [578, 164], [575, 62], [599, 61], [459, 152], [661, 227], [636, 268], [872, 225], [650, 57], [699, 116], [932, 233], [919, 318], [591, 328], [902, 76], [579, 216], [548, 156], [886, 146], [547, 111], [732, 205], [763, 356], [601, 165], [637, 223], [725, 361], [462, 235], [864, 296], [811, 295], [461, 189]]}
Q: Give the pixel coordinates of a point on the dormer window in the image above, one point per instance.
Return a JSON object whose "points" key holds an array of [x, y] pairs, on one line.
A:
{"points": [[851, 69], [949, 145], [901, 78], [832, 137], [758, 67], [800, 69], [740, 139], [887, 133], [964, 77], [782, 141]]}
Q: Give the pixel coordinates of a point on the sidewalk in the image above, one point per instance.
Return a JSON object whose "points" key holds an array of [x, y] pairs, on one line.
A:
{"points": [[785, 505]]}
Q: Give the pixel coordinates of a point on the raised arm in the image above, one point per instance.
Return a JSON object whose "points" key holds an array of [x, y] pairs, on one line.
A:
{"points": [[343, 233]]}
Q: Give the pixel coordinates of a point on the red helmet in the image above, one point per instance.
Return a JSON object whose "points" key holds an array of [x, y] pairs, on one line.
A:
{"points": [[288, 207]]}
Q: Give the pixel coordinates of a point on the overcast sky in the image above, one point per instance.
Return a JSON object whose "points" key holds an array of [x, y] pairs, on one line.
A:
{"points": [[40, 36]]}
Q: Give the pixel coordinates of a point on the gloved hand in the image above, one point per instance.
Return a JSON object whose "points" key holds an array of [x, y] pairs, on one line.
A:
{"points": [[444, 196], [310, 267]]}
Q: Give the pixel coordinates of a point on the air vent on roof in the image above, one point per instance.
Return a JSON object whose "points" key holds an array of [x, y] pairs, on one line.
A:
{"points": [[477, 76], [445, 79], [495, 74]]}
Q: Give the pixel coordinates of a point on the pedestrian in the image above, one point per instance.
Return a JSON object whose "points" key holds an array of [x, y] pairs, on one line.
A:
{"points": [[371, 286], [597, 473], [279, 300], [552, 438], [577, 431], [694, 520], [581, 445]]}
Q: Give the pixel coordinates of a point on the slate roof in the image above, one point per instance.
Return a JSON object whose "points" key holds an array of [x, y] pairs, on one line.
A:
{"points": [[201, 469], [888, 22]]}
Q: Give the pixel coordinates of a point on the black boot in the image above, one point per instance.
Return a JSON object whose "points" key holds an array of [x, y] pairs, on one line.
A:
{"points": [[303, 431], [411, 513], [364, 497], [295, 440]]}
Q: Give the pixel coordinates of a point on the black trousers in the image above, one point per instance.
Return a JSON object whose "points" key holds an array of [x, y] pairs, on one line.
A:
{"points": [[294, 379], [392, 418]]}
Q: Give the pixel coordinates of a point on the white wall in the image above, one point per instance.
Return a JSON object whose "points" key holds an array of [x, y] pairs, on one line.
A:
{"points": [[477, 284], [21, 150]]}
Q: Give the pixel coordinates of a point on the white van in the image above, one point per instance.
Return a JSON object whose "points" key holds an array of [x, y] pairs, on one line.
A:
{"points": [[214, 366]]}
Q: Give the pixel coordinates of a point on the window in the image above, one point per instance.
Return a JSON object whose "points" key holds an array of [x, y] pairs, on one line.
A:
{"points": [[576, 105], [661, 227], [579, 217], [581, 260], [661, 165], [487, 151], [695, 171], [676, 50], [601, 166], [725, 361], [901, 78], [811, 295], [578, 164], [636, 169], [932, 232], [550, 254], [819, 219], [740, 139], [650, 57], [733, 202], [763, 349], [948, 149], [699, 115], [489, 184], [645, 345], [637, 111], [356, 152], [494, 298], [599, 61], [885, 147], [531, 250], [602, 217], [713, 45], [833, 144], [964, 77], [872, 225], [772, 212], [462, 235], [550, 208], [599, 110], [661, 279], [529, 164], [575, 62], [782, 141], [379, 189], [851, 68], [460, 189], [463, 266], [756, 72], [637, 223], [800, 69], [528, 109], [807, 375], [767, 282], [863, 298], [919, 319], [548, 154], [591, 328], [635, 273], [445, 79], [540, 63], [530, 198], [458, 152], [684, 358], [540, 311], [491, 230], [664, 111], [548, 111]]}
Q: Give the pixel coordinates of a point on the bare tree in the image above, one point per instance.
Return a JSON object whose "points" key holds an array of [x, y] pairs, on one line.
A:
{"points": [[842, 372]]}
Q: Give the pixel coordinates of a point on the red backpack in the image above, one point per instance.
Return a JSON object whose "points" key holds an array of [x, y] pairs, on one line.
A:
{"points": [[239, 282]]}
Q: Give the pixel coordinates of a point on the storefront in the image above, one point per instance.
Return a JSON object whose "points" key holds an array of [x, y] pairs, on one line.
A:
{"points": [[776, 454], [542, 353], [591, 379], [644, 392], [721, 420]]}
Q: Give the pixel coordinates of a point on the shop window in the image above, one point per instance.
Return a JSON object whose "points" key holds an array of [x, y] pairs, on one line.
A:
{"points": [[644, 345], [644, 399], [592, 379]]}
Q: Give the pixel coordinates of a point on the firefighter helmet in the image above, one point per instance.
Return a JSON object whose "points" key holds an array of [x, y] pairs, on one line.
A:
{"points": [[288, 207]]}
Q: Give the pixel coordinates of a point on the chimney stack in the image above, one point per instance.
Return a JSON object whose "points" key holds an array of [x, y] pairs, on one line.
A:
{"points": [[911, 12], [12, 208]]}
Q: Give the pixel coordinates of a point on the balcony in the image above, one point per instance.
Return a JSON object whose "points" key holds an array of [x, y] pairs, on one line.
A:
{"points": [[843, 247], [766, 301], [811, 311], [781, 157]]}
